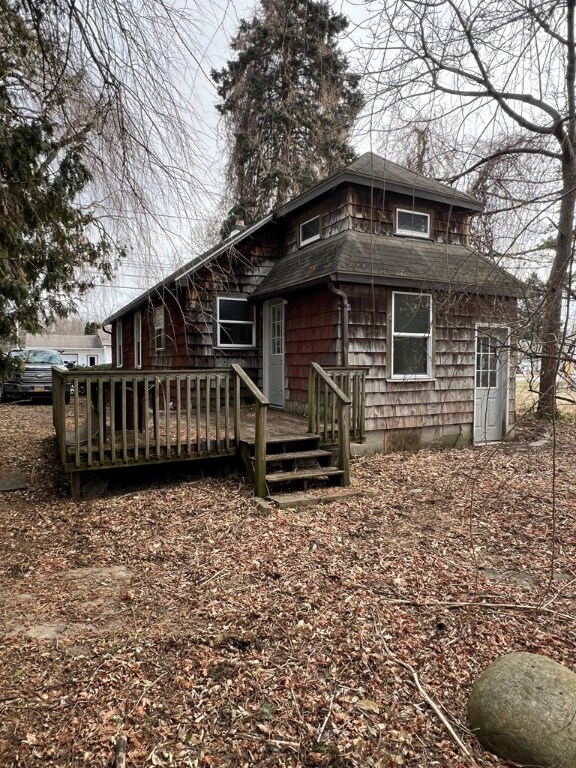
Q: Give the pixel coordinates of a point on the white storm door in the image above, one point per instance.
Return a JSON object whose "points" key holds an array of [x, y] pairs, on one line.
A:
{"points": [[274, 351], [491, 385]]}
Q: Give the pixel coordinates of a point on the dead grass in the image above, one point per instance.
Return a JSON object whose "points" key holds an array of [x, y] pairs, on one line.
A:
{"points": [[214, 635], [527, 396]]}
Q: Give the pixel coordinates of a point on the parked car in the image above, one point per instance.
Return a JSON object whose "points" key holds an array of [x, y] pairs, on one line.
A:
{"points": [[31, 378]]}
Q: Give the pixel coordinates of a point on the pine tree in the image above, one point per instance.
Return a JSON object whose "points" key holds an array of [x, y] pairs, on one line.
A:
{"points": [[289, 104]]}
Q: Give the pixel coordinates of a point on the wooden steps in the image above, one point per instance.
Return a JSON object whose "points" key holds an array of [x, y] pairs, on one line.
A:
{"points": [[303, 474], [314, 454], [294, 460]]}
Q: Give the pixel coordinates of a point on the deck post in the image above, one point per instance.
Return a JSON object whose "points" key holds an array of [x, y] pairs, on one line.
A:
{"points": [[237, 429], [75, 485], [344, 441], [312, 402], [260, 451]]}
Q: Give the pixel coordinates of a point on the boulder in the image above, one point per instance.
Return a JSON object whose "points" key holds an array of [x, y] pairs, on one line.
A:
{"points": [[523, 708]]}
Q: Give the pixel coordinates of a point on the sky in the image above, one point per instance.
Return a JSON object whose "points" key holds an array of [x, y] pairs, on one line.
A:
{"points": [[215, 30]]}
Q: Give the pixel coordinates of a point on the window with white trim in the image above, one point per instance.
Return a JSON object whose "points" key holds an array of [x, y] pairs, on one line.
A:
{"points": [[138, 340], [159, 340], [235, 323], [411, 353], [119, 348], [310, 231], [412, 223]]}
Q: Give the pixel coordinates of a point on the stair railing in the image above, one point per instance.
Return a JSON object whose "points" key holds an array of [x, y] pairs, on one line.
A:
{"points": [[352, 381], [262, 402], [329, 415]]}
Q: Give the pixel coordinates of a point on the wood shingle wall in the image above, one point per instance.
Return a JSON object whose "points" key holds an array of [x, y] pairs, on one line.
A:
{"points": [[312, 335], [448, 398]]}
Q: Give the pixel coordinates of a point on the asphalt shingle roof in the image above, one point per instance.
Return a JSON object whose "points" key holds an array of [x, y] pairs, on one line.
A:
{"points": [[360, 257], [64, 341], [373, 166], [378, 172], [368, 170]]}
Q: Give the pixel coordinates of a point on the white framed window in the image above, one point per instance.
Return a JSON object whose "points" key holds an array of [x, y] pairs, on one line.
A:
{"points": [[235, 323], [138, 340], [159, 336], [310, 231], [411, 352], [119, 346], [413, 223]]}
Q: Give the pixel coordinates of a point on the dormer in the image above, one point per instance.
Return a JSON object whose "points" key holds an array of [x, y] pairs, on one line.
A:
{"points": [[374, 195]]}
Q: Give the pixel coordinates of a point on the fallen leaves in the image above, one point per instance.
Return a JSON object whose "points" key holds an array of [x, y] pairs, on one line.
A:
{"points": [[215, 636]]}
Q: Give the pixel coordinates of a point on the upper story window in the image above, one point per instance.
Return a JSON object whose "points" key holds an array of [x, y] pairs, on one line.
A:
{"points": [[413, 223], [411, 353], [119, 348], [159, 336], [310, 231], [235, 323]]}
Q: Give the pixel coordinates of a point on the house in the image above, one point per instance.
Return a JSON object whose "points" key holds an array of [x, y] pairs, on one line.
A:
{"points": [[85, 349], [369, 269]]}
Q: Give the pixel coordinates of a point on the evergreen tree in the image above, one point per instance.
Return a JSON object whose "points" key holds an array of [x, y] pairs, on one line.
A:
{"points": [[91, 328], [289, 104]]}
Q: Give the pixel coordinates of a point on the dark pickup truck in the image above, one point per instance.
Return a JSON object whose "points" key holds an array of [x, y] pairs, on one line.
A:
{"points": [[31, 377]]}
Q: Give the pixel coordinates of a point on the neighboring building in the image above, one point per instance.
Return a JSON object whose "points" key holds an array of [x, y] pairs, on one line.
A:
{"points": [[78, 349], [106, 340], [371, 268]]}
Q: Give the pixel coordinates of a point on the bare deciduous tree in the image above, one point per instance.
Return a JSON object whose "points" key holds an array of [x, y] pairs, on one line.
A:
{"points": [[506, 72]]}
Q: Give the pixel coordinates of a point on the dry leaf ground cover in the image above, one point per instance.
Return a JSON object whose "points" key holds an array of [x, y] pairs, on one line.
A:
{"points": [[213, 634]]}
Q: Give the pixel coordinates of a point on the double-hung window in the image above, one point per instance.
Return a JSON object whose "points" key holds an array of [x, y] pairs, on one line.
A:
{"points": [[412, 223], [235, 323], [411, 354], [119, 347], [159, 340], [138, 340]]}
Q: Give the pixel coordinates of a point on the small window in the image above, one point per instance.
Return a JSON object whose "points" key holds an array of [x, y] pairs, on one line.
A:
{"points": [[119, 348], [310, 231], [138, 340], [486, 361], [236, 326], [412, 223], [159, 341], [411, 335]]}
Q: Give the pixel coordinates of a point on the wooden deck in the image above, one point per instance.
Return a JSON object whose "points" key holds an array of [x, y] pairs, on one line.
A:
{"points": [[279, 423], [125, 418]]}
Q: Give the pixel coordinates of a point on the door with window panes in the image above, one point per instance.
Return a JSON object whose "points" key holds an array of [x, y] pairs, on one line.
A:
{"points": [[491, 385], [274, 351]]}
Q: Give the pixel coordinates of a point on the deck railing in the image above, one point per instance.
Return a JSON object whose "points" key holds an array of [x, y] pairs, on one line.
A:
{"points": [[261, 402], [329, 415], [133, 417], [323, 404]]}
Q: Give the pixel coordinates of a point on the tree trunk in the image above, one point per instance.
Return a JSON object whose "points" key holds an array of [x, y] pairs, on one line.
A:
{"points": [[552, 308]]}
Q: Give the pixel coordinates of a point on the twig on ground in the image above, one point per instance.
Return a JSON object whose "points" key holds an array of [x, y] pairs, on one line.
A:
{"points": [[121, 745], [325, 723], [474, 604], [427, 698]]}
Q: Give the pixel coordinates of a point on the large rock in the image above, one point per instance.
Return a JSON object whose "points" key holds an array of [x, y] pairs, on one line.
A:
{"points": [[523, 708]]}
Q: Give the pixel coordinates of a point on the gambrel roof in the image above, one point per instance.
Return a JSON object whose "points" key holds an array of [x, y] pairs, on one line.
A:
{"points": [[361, 257]]}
